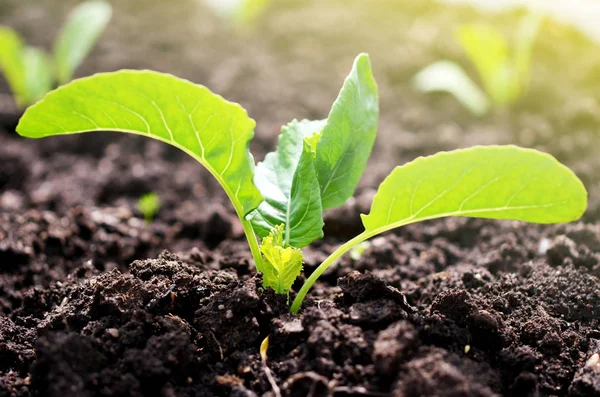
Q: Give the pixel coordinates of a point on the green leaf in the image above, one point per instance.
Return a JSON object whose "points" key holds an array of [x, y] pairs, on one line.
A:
{"points": [[497, 182], [11, 64], [447, 76], [38, 73], [488, 50], [348, 136], [79, 34], [282, 265], [188, 116], [288, 181]]}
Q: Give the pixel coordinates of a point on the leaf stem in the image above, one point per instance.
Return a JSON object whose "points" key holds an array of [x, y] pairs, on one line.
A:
{"points": [[253, 243], [342, 249]]}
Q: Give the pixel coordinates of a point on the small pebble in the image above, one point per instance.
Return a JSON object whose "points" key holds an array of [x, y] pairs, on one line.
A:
{"points": [[593, 361], [544, 245], [113, 332]]}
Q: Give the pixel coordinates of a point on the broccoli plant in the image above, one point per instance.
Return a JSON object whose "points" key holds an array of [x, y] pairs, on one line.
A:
{"points": [[316, 165], [504, 75], [31, 73]]}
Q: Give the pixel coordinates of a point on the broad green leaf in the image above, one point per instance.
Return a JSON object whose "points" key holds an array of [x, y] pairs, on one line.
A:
{"points": [[348, 136], [447, 76], [11, 64], [497, 182], [38, 73], [81, 31], [188, 116], [488, 50], [528, 31], [282, 265], [287, 179]]}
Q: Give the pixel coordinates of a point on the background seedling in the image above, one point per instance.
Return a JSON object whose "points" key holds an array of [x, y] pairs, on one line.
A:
{"points": [[359, 249], [504, 75], [238, 12], [316, 166], [149, 205], [31, 72]]}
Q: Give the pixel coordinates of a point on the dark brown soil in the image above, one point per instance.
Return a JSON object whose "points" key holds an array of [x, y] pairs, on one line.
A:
{"points": [[91, 304]]}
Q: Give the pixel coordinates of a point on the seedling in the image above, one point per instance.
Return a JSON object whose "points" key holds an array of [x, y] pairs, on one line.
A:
{"points": [[504, 76], [31, 72], [316, 166], [238, 12], [358, 250], [149, 205]]}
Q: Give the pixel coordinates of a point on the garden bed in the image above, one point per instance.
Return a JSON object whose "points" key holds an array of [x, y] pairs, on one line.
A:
{"points": [[91, 304]]}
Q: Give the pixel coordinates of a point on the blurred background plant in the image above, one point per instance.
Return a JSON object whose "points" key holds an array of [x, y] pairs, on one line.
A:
{"points": [[149, 205], [31, 72], [503, 72], [238, 12]]}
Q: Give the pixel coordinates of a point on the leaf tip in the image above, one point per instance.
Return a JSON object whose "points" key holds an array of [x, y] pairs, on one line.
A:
{"points": [[362, 61]]}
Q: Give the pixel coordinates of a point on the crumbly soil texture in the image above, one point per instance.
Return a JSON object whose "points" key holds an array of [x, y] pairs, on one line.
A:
{"points": [[96, 302]]}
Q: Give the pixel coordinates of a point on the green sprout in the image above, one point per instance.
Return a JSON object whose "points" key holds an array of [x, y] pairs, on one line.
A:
{"points": [[31, 73], [149, 205], [316, 166], [505, 75]]}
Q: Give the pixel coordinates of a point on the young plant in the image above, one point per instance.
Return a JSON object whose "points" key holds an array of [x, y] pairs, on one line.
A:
{"points": [[504, 76], [31, 73], [149, 205], [238, 12], [316, 166]]}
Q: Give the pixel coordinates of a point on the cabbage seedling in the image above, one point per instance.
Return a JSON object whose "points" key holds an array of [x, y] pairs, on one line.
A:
{"points": [[31, 73], [504, 75], [316, 166]]}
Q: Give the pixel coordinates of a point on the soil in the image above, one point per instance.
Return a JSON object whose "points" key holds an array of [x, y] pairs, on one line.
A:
{"points": [[95, 302]]}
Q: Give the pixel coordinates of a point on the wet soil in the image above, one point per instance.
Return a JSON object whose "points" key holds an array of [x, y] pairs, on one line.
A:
{"points": [[95, 302]]}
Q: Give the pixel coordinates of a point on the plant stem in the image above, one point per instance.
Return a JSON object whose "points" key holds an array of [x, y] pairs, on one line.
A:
{"points": [[253, 243], [342, 249]]}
